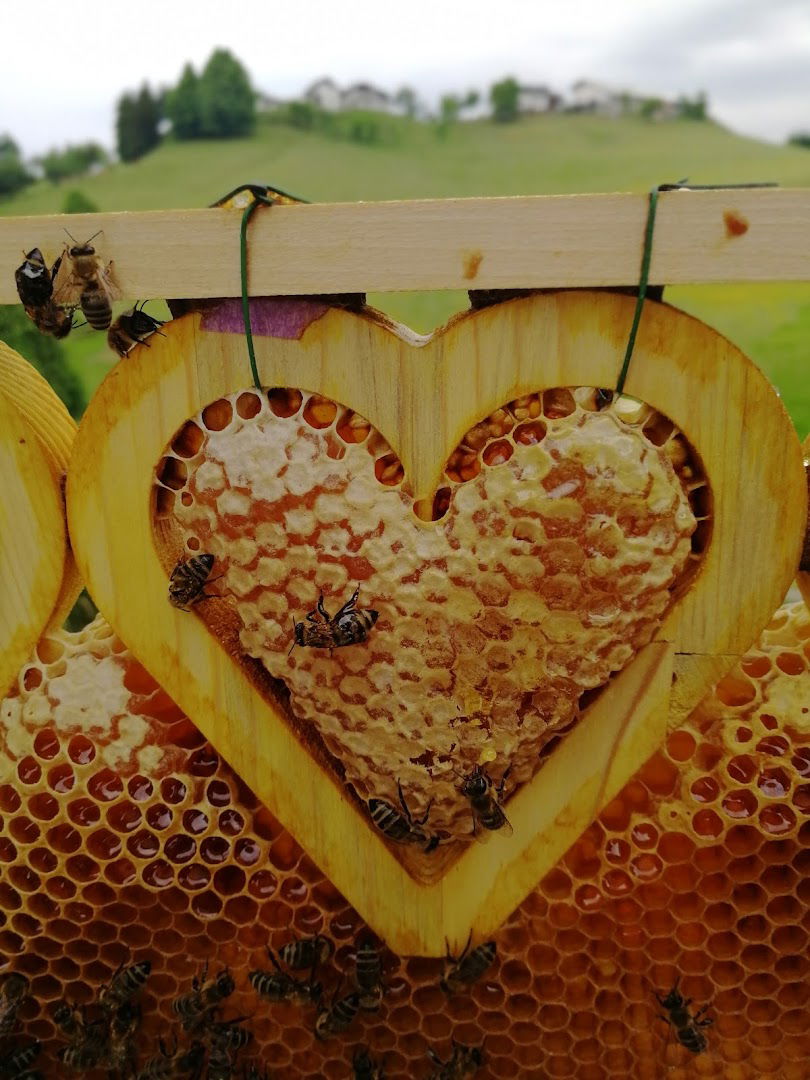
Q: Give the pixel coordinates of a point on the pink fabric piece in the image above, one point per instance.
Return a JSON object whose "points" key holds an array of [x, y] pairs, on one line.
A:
{"points": [[279, 317]]}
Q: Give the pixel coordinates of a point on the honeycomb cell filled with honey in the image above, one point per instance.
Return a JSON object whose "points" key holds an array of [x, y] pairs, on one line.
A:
{"points": [[124, 838], [564, 526]]}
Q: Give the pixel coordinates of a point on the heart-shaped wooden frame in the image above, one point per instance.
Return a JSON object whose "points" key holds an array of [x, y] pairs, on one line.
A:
{"points": [[422, 394], [38, 579]]}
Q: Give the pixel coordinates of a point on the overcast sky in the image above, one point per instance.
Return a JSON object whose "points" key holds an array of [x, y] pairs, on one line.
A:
{"points": [[62, 67]]}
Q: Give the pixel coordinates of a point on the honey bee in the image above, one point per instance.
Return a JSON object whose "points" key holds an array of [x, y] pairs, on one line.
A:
{"points": [[12, 991], [306, 952], [365, 1068], [486, 810], [195, 1009], [69, 1019], [15, 1063], [368, 975], [130, 329], [122, 1053], [686, 1027], [464, 1061], [402, 828], [35, 289], [280, 986], [229, 1035], [125, 984], [177, 1063], [335, 1018], [83, 279], [347, 627], [86, 1052], [469, 967], [188, 580]]}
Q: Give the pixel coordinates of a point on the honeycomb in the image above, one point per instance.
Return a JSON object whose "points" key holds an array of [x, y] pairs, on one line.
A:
{"points": [[541, 566], [124, 837]]}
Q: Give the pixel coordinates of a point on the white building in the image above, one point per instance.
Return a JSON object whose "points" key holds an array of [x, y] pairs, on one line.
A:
{"points": [[324, 94], [366, 96], [537, 99]]}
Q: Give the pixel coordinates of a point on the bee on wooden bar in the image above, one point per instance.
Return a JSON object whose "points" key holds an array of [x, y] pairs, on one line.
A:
{"points": [[125, 984], [132, 328], [12, 991], [306, 952], [348, 627], [368, 975], [686, 1027], [194, 1009], [464, 1061], [365, 1068], [402, 828], [335, 1018], [188, 580], [486, 811], [469, 967], [281, 986], [35, 289], [83, 279]]}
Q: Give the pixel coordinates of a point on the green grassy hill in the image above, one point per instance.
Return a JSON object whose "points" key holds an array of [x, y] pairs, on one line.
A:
{"points": [[554, 154]]}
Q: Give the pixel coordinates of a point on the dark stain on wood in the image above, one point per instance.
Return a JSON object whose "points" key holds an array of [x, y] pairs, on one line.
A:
{"points": [[736, 224], [472, 260]]}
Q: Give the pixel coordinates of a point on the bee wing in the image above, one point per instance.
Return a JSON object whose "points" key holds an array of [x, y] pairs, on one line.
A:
{"points": [[110, 281], [67, 288], [349, 606]]}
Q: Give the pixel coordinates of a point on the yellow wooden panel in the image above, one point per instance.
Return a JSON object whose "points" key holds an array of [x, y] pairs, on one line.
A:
{"points": [[422, 397], [32, 542], [533, 241]]}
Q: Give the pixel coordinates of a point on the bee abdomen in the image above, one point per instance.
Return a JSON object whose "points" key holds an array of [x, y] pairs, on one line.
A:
{"points": [[96, 308], [389, 821]]}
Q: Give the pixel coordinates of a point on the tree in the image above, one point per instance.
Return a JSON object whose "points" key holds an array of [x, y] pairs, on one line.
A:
{"points": [[503, 96], [76, 202], [448, 114], [136, 124], [407, 100], [227, 100], [183, 105], [72, 161], [800, 138], [45, 353], [695, 108], [13, 173]]}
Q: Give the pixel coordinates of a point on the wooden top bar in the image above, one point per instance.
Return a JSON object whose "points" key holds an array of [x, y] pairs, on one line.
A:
{"points": [[526, 242]]}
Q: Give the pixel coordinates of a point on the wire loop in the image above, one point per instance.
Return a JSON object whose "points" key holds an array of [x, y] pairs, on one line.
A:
{"points": [[646, 257]]}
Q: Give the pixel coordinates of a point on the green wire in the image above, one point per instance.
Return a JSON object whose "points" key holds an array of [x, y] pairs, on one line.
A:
{"points": [[246, 216], [643, 280], [646, 257]]}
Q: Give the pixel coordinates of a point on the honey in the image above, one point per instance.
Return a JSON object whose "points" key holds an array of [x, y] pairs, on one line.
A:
{"points": [[544, 562], [168, 857]]}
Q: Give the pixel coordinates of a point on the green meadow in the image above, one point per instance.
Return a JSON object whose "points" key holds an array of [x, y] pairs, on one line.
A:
{"points": [[554, 154]]}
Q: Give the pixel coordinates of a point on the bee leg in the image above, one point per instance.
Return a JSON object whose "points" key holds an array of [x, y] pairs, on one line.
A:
{"points": [[424, 817], [322, 610], [500, 787], [403, 804]]}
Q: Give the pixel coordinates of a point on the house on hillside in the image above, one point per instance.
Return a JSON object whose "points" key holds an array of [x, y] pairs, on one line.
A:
{"points": [[537, 99], [324, 94], [366, 96], [595, 97]]}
